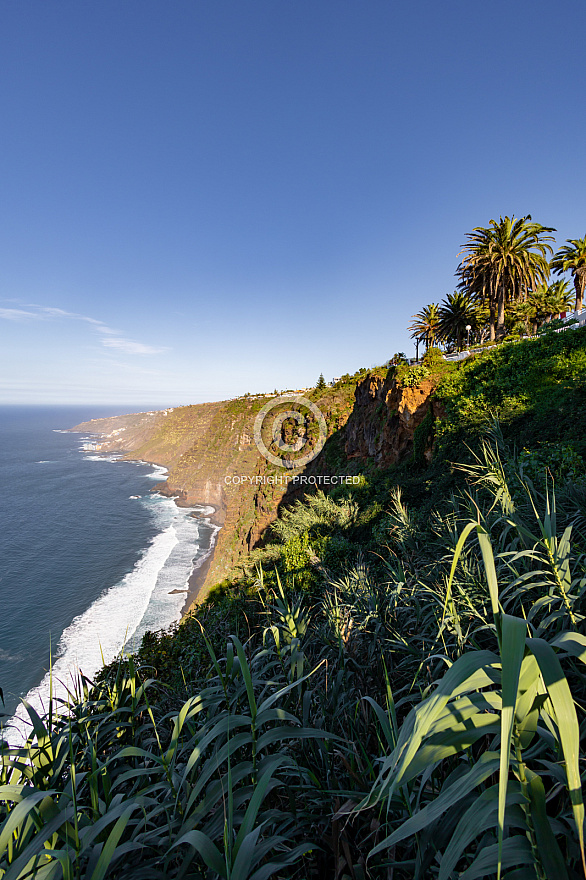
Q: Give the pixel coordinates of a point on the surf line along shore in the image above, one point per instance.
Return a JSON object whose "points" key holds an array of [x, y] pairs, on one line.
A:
{"points": [[204, 513], [199, 572], [123, 437]]}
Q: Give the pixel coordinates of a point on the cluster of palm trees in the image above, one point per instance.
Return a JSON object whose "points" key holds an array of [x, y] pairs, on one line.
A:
{"points": [[504, 284]]}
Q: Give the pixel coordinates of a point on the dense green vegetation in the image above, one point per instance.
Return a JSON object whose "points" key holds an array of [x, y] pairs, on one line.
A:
{"points": [[537, 388], [392, 687]]}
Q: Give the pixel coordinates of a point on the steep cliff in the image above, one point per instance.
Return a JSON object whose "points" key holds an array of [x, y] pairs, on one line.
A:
{"points": [[385, 419], [212, 458]]}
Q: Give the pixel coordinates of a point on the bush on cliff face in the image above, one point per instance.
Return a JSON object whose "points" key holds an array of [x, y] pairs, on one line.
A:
{"points": [[433, 359], [412, 377], [310, 515], [423, 438], [558, 461]]}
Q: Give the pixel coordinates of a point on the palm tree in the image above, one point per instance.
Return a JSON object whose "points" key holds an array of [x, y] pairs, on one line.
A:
{"points": [[457, 312], [544, 302], [503, 263], [557, 298], [572, 257], [424, 326]]}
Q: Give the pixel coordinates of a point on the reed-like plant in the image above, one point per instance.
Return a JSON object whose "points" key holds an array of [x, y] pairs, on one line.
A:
{"points": [[110, 790], [477, 760]]}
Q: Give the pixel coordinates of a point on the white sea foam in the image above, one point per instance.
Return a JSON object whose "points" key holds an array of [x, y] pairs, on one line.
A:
{"points": [[166, 603], [159, 473], [99, 634], [150, 597], [201, 559], [204, 510]]}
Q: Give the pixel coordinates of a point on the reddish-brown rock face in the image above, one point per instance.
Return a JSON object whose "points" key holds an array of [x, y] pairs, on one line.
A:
{"points": [[384, 419]]}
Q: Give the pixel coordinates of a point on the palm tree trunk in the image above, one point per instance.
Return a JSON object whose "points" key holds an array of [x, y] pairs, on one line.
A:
{"points": [[579, 284], [491, 321], [500, 323]]}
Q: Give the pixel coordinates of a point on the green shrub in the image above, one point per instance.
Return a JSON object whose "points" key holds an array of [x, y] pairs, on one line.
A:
{"points": [[317, 512], [433, 359], [412, 377], [295, 563], [559, 460], [336, 552], [535, 386]]}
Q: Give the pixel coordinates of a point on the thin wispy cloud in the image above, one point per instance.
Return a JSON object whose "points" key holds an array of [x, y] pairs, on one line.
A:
{"points": [[104, 329], [110, 337], [18, 315], [129, 346]]}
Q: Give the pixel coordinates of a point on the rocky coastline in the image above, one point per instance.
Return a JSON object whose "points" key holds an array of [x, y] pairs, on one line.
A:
{"points": [[211, 458], [108, 444]]}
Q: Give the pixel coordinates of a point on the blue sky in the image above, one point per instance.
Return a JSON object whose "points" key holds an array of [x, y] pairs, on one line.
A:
{"points": [[207, 197]]}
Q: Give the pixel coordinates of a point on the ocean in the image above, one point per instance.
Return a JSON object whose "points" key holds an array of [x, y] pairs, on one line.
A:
{"points": [[90, 557]]}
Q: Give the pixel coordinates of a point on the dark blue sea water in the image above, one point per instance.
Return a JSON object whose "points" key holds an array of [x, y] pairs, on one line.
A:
{"points": [[89, 555]]}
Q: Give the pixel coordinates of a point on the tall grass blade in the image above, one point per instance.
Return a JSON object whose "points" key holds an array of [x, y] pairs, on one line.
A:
{"points": [[549, 851], [512, 650], [567, 723], [490, 571]]}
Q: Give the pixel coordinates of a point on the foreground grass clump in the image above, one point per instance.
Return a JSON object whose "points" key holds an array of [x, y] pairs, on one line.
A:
{"points": [[418, 714], [114, 788]]}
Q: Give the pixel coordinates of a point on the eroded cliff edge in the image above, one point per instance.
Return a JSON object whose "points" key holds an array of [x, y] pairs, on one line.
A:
{"points": [[211, 456], [385, 418]]}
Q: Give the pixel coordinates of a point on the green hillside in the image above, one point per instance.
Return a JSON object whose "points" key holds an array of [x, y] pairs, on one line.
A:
{"points": [[391, 685]]}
